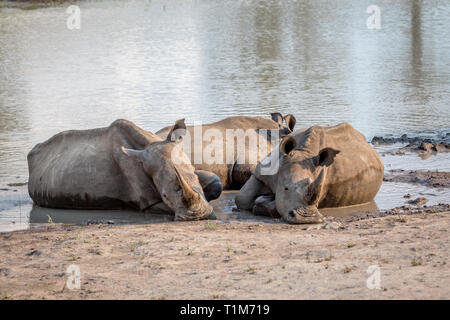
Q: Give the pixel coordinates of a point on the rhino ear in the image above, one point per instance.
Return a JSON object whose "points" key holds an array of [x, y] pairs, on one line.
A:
{"points": [[290, 121], [326, 157], [287, 144], [133, 153], [177, 132], [277, 117]]}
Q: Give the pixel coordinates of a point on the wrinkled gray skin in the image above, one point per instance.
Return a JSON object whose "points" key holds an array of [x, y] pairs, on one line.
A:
{"points": [[120, 165], [234, 175], [320, 167]]}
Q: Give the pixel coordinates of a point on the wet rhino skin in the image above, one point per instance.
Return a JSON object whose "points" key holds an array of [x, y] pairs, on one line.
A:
{"points": [[233, 175], [356, 174], [85, 169]]}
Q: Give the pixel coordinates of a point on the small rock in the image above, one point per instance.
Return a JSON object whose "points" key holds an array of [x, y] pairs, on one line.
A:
{"points": [[34, 253], [4, 272], [17, 184], [426, 146], [333, 226], [407, 196], [419, 201]]}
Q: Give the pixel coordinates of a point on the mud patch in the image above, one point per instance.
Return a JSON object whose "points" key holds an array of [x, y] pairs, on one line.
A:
{"points": [[17, 184], [433, 179], [424, 147], [405, 210], [413, 140]]}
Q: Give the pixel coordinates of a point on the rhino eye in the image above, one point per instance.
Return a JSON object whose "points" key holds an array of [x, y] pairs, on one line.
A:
{"points": [[286, 188]]}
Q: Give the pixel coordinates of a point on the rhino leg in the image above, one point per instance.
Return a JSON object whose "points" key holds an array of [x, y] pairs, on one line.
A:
{"points": [[245, 199], [241, 173], [266, 206], [159, 208], [211, 184]]}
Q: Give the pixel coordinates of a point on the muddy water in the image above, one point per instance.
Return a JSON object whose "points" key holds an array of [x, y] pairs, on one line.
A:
{"points": [[17, 211], [157, 61]]}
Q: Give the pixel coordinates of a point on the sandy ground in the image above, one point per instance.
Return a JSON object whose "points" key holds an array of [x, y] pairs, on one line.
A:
{"points": [[232, 260]]}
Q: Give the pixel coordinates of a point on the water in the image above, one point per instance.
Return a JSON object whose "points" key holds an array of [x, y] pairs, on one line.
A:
{"points": [[153, 62]]}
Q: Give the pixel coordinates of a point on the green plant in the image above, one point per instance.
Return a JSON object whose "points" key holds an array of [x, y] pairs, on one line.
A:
{"points": [[251, 270], [348, 269], [211, 226], [416, 262]]}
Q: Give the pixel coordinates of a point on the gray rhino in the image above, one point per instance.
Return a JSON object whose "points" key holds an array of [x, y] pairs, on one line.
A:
{"points": [[120, 165], [234, 173], [318, 167]]}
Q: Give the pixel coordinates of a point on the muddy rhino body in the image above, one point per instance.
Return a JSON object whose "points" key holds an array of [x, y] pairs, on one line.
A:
{"points": [[319, 167], [235, 173], [107, 168]]}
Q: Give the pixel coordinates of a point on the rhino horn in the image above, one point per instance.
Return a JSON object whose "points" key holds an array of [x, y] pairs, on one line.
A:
{"points": [[188, 193], [315, 188]]}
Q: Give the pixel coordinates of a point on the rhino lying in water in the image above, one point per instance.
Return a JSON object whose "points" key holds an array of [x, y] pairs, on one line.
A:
{"points": [[236, 170], [115, 166], [318, 167]]}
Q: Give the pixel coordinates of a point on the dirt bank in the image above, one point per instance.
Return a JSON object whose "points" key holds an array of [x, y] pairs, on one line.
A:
{"points": [[424, 147], [442, 139], [211, 260], [433, 179]]}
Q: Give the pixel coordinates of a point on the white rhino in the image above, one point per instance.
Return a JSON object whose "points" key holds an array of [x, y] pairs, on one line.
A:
{"points": [[233, 174], [120, 165], [318, 167]]}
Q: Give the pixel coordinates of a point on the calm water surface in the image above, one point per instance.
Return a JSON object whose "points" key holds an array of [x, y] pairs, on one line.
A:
{"points": [[153, 62]]}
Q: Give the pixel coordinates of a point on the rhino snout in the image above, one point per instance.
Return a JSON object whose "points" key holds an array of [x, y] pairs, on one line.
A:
{"points": [[195, 215], [304, 215]]}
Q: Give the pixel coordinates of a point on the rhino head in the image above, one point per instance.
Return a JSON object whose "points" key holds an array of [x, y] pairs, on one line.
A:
{"points": [[173, 175], [301, 177]]}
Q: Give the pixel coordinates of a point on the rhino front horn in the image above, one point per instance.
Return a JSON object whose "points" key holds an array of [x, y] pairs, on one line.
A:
{"points": [[188, 194], [315, 188]]}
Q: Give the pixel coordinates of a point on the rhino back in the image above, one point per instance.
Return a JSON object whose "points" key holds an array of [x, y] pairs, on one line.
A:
{"points": [[357, 171], [236, 122], [82, 169], [225, 169]]}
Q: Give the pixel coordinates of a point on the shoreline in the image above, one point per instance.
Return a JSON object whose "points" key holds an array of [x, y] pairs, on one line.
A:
{"points": [[232, 260]]}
